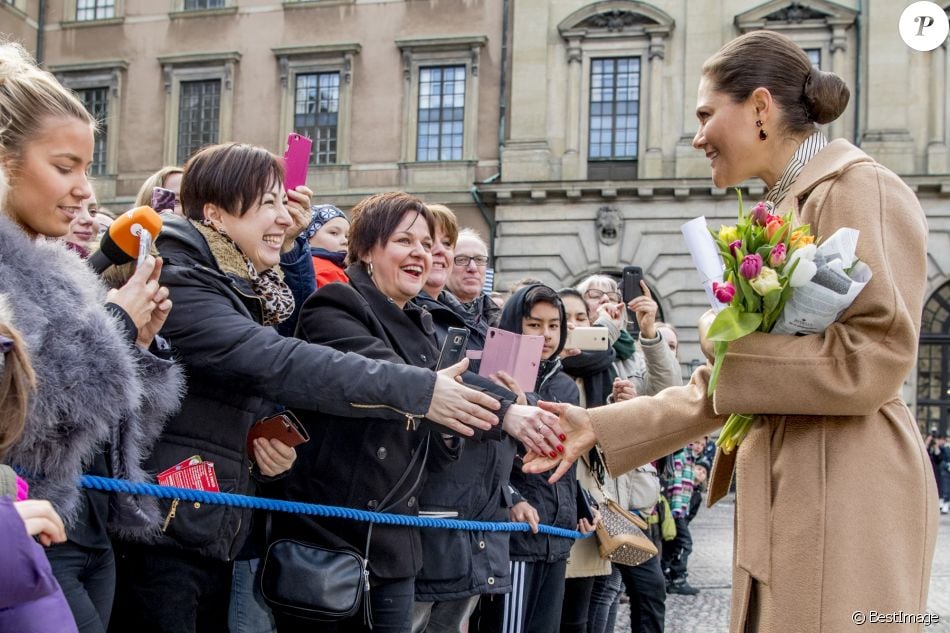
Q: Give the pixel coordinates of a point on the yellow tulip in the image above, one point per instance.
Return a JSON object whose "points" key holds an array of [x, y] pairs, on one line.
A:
{"points": [[728, 234]]}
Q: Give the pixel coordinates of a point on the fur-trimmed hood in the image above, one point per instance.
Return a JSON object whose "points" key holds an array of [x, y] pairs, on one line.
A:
{"points": [[93, 385]]}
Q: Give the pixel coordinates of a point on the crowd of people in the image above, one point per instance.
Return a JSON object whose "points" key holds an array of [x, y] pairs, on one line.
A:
{"points": [[255, 301]]}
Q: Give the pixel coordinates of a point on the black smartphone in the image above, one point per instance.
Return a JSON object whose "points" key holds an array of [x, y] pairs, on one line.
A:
{"points": [[584, 505], [630, 285], [632, 276], [453, 348]]}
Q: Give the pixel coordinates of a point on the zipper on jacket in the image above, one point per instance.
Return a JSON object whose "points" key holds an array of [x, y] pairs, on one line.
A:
{"points": [[171, 515], [412, 421]]}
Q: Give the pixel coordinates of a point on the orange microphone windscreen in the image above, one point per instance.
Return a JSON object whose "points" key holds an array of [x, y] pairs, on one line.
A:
{"points": [[127, 227]]}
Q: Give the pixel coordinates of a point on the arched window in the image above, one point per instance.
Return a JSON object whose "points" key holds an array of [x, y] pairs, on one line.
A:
{"points": [[933, 364]]}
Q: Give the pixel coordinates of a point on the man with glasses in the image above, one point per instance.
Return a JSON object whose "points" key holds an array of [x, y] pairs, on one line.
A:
{"points": [[467, 280]]}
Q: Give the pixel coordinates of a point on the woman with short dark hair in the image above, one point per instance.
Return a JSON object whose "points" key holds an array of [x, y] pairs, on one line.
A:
{"points": [[376, 463], [221, 271]]}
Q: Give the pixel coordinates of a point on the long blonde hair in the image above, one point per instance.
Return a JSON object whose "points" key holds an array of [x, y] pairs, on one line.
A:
{"points": [[28, 96]]}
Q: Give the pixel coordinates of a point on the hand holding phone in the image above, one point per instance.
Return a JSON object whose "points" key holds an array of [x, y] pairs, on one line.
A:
{"points": [[296, 161], [453, 348], [283, 426]]}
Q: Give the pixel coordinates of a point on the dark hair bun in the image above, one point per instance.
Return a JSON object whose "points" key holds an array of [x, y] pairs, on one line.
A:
{"points": [[825, 95]]}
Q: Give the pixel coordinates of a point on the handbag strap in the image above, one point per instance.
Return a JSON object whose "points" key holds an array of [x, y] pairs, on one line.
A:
{"points": [[600, 486]]}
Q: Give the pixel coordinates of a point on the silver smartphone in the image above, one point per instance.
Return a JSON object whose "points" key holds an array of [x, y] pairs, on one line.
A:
{"points": [[588, 339]]}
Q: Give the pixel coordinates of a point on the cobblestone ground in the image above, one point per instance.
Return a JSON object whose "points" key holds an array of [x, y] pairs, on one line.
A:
{"points": [[710, 571]]}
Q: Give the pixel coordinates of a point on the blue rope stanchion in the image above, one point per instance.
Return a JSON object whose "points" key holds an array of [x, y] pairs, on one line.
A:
{"points": [[277, 505]]}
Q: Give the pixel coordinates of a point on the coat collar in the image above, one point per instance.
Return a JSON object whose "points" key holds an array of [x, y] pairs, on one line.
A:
{"points": [[836, 157], [403, 325]]}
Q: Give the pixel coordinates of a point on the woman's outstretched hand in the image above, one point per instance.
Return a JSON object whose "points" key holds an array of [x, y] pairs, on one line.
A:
{"points": [[580, 438], [458, 407], [538, 430]]}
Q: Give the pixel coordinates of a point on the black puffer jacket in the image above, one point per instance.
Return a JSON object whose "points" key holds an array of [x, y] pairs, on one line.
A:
{"points": [[457, 563], [557, 504], [238, 371], [357, 463]]}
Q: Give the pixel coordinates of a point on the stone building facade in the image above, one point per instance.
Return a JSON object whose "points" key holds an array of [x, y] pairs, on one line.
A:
{"points": [[560, 128]]}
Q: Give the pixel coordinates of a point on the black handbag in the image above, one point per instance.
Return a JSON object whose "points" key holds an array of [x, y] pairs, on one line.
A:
{"points": [[310, 581], [313, 582]]}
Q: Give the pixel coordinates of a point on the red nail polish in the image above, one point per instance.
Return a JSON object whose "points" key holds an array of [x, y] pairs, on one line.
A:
{"points": [[553, 454], [562, 437], [560, 449]]}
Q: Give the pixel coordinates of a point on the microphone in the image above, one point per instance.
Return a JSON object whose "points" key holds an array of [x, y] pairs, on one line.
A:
{"points": [[127, 236]]}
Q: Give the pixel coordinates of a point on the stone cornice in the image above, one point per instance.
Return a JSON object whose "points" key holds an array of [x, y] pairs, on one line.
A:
{"points": [[660, 189], [200, 58], [85, 67], [317, 50], [436, 44]]}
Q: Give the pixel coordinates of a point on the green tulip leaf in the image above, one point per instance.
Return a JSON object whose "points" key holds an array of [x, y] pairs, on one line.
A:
{"points": [[731, 324]]}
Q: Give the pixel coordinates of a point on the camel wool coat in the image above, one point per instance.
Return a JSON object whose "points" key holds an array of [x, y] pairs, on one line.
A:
{"points": [[836, 507]]}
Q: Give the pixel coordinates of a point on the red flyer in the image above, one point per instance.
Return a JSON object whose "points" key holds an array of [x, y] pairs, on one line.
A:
{"points": [[192, 473]]}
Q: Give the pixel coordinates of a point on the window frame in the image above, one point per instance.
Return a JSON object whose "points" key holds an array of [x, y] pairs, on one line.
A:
{"points": [[442, 82], [200, 67], [590, 100], [304, 60], [181, 158], [315, 153], [104, 74], [440, 51], [625, 29], [95, 8], [184, 5], [71, 13]]}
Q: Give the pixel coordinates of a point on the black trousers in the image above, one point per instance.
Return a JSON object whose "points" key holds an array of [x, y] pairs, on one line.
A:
{"points": [[647, 590], [676, 552], [163, 590], [87, 576], [577, 592]]}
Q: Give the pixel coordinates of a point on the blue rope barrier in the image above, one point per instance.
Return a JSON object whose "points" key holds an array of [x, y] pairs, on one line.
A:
{"points": [[277, 505]]}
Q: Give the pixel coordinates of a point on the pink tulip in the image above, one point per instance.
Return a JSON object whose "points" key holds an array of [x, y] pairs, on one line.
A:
{"points": [[777, 256], [724, 291], [734, 247], [761, 212], [751, 266]]}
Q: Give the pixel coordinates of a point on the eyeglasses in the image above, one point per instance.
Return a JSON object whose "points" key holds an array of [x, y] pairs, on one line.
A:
{"points": [[597, 294], [463, 260]]}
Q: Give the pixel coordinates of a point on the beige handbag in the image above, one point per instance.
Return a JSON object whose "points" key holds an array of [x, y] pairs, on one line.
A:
{"points": [[620, 536]]}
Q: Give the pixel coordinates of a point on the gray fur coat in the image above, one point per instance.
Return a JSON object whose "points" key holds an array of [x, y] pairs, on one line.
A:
{"points": [[93, 385]]}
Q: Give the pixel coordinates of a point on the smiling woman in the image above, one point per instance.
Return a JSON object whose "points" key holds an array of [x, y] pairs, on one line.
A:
{"points": [[100, 398]]}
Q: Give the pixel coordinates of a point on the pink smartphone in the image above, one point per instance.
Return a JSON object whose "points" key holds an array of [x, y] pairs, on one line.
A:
{"points": [[296, 161], [518, 355]]}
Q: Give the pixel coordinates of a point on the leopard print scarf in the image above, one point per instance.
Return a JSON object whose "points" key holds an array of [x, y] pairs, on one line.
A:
{"points": [[275, 295]]}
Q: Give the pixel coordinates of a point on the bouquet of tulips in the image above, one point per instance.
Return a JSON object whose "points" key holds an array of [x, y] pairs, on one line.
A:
{"points": [[764, 259]]}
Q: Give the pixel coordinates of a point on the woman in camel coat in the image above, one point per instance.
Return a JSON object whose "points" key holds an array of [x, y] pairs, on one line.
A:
{"points": [[836, 508]]}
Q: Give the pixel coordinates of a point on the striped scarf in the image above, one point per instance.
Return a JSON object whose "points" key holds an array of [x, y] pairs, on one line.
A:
{"points": [[812, 145]]}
